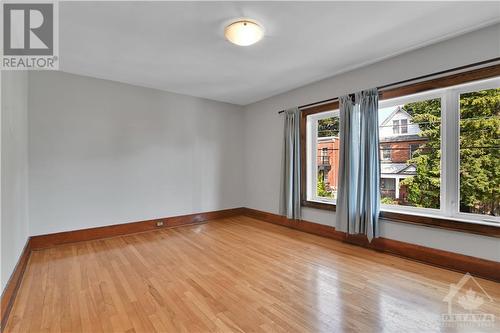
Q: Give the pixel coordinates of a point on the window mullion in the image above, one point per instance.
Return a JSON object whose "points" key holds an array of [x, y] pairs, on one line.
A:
{"points": [[450, 153], [313, 167]]}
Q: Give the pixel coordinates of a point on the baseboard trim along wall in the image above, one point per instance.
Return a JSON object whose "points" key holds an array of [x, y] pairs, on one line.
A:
{"points": [[50, 240], [12, 286], [458, 262], [454, 261]]}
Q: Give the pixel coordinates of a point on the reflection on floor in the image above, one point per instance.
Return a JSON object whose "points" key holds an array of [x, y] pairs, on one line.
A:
{"points": [[235, 274]]}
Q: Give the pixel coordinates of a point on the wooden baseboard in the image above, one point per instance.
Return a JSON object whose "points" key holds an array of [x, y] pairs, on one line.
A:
{"points": [[10, 291], [50, 240], [462, 263], [454, 261], [309, 227]]}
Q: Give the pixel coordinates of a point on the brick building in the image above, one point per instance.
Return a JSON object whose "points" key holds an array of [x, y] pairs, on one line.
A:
{"points": [[328, 161]]}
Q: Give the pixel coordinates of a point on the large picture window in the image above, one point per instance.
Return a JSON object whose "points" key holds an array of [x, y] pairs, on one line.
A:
{"points": [[439, 153], [445, 158]]}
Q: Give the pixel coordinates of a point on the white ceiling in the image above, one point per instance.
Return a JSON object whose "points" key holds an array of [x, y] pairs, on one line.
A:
{"points": [[179, 46]]}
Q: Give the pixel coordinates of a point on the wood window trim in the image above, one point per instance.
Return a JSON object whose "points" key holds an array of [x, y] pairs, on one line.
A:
{"points": [[414, 88], [303, 146], [442, 82], [443, 223], [319, 205]]}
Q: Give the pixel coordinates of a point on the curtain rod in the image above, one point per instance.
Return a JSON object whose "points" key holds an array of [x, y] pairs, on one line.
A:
{"points": [[384, 87]]}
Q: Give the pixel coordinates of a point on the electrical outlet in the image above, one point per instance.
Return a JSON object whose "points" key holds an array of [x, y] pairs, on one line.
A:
{"points": [[159, 224]]}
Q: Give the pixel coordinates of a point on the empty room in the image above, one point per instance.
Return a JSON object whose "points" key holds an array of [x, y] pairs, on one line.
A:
{"points": [[272, 166]]}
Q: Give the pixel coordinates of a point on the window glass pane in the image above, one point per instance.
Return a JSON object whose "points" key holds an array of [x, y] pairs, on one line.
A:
{"points": [[411, 171], [480, 152], [395, 126], [404, 126], [327, 158], [413, 149], [386, 153]]}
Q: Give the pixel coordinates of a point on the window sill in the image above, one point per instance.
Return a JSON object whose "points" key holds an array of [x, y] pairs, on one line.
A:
{"points": [[319, 205], [478, 228]]}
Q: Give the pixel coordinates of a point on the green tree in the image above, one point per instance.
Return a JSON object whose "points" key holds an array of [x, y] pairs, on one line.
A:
{"points": [[328, 127], [479, 153], [321, 187], [388, 201], [424, 187]]}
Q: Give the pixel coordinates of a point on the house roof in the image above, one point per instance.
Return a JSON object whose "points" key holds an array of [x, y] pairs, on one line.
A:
{"points": [[398, 138], [392, 114], [397, 168]]}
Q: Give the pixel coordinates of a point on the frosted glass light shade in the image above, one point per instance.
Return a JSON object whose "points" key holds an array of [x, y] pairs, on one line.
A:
{"points": [[244, 32]]}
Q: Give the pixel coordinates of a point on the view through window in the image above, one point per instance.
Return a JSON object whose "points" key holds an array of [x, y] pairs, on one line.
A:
{"points": [[323, 152], [480, 152], [410, 141], [327, 154]]}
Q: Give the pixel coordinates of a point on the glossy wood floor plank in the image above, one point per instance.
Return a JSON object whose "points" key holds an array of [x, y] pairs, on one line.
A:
{"points": [[232, 275]]}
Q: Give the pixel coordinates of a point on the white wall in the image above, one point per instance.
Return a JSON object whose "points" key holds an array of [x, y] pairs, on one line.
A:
{"points": [[264, 128], [14, 169], [104, 153]]}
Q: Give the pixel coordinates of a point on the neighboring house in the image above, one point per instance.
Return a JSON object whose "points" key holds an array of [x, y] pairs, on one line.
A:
{"points": [[328, 161], [398, 123], [399, 139]]}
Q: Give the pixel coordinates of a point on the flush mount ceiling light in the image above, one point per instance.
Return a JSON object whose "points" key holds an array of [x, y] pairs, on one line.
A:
{"points": [[244, 32]]}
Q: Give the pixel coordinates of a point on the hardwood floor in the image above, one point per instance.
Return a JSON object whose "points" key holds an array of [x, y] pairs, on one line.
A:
{"points": [[234, 274]]}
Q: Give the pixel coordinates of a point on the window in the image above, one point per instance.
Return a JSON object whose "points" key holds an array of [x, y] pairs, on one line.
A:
{"points": [[479, 144], [404, 126], [323, 155], [385, 154], [395, 127], [325, 158], [411, 179], [445, 152], [439, 152], [413, 149], [399, 126]]}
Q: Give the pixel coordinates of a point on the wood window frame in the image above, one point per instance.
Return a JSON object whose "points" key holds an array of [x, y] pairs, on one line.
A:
{"points": [[414, 88], [303, 152]]}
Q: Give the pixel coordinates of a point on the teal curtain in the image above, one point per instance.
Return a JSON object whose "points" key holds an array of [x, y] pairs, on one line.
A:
{"points": [[290, 183], [358, 203]]}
